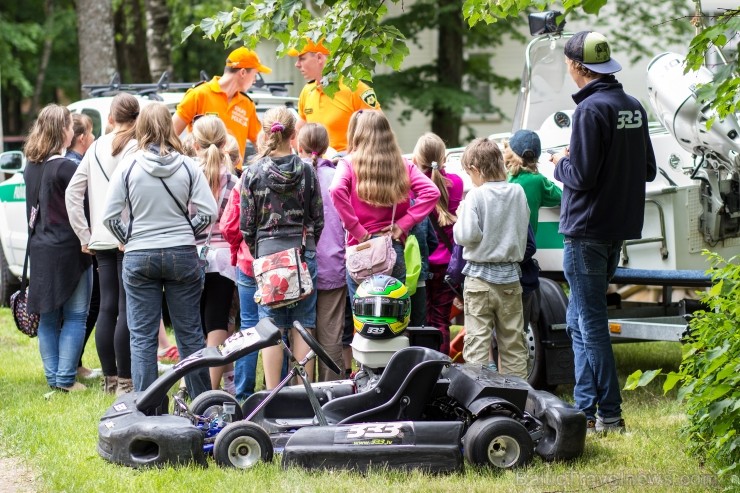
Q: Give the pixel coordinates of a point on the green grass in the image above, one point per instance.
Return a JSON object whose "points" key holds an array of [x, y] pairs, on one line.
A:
{"points": [[57, 438]]}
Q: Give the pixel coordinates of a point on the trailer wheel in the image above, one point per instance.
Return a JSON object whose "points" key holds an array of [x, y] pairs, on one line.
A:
{"points": [[211, 403], [498, 442], [242, 445], [552, 305]]}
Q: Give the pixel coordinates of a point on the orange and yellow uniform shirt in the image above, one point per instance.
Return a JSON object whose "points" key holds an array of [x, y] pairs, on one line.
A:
{"points": [[314, 106], [239, 115]]}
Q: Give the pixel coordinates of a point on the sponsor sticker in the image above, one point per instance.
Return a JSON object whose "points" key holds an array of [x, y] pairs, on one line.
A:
{"points": [[396, 433]]}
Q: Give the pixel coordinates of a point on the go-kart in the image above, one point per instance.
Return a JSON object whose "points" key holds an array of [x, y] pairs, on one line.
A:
{"points": [[423, 413]]}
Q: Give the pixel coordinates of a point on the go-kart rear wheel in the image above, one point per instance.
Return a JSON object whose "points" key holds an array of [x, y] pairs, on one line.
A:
{"points": [[499, 442], [242, 445], [316, 347], [211, 403]]}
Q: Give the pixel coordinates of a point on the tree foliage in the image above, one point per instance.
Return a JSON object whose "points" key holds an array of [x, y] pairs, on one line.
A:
{"points": [[360, 40], [724, 91], [17, 40], [425, 88]]}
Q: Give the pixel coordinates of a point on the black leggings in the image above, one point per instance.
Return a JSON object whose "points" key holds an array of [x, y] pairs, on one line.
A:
{"points": [[111, 335], [92, 314], [215, 302]]}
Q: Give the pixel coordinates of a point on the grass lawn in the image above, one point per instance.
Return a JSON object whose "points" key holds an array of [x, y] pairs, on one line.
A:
{"points": [[56, 438]]}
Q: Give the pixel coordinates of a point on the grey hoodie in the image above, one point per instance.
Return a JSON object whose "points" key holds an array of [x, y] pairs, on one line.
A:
{"points": [[156, 220]]}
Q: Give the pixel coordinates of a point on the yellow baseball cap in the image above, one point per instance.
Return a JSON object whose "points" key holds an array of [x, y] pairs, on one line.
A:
{"points": [[246, 58], [310, 47]]}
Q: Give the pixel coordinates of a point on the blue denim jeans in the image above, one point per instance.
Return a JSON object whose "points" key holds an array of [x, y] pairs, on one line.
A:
{"points": [[146, 273], [399, 270], [588, 266], [245, 368], [62, 335]]}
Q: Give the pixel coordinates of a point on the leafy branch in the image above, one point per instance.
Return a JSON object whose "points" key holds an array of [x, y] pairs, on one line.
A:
{"points": [[710, 370]]}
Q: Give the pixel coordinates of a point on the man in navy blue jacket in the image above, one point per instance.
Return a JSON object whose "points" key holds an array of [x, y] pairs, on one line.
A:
{"points": [[603, 174]]}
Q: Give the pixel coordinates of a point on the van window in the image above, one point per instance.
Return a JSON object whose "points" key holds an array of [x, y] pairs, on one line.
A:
{"points": [[96, 120]]}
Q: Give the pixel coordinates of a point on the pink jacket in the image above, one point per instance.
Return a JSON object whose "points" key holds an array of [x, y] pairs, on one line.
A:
{"points": [[229, 225], [441, 256], [360, 218]]}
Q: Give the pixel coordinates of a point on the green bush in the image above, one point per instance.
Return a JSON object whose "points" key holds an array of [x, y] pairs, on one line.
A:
{"points": [[709, 374]]}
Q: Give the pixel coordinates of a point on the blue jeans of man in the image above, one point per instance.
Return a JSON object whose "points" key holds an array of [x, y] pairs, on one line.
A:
{"points": [[589, 265], [245, 368], [146, 273], [62, 334]]}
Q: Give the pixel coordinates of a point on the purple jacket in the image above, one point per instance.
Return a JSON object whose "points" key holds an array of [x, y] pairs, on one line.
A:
{"points": [[330, 249]]}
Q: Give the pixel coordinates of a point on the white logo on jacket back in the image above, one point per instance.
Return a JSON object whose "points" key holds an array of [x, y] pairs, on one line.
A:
{"points": [[629, 119]]}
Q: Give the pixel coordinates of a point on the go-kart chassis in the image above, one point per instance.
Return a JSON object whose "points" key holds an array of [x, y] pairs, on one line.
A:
{"points": [[136, 432]]}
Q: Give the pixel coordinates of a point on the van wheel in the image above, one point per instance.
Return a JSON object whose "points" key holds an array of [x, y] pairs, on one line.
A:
{"points": [[8, 283], [551, 304]]}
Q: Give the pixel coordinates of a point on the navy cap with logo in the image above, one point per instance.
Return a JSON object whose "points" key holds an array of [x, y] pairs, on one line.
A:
{"points": [[591, 49], [525, 144]]}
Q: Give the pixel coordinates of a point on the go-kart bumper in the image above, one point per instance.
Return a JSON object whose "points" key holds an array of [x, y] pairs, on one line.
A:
{"points": [[129, 437]]}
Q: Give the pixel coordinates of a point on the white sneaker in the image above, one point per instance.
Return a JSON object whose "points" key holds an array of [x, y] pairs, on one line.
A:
{"points": [[89, 373], [610, 425]]}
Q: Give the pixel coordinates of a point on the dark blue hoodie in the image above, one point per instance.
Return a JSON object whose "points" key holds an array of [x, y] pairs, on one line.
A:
{"points": [[610, 160]]}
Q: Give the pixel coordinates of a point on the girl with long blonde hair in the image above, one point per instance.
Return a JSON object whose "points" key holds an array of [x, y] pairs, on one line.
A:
{"points": [[374, 185], [209, 142]]}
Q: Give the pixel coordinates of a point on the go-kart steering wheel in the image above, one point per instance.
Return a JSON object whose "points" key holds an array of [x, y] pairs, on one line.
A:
{"points": [[316, 348]]}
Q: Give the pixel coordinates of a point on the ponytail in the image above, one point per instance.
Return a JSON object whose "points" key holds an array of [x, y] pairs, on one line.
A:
{"points": [[209, 133], [429, 156]]}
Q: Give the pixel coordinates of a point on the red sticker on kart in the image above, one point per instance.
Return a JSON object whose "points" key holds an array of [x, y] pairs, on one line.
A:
{"points": [[396, 433]]}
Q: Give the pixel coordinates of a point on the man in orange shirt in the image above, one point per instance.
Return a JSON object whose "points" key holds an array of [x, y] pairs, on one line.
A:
{"points": [[226, 97], [314, 106]]}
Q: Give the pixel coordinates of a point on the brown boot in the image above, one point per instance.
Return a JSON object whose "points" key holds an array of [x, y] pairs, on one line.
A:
{"points": [[125, 385], [110, 384]]}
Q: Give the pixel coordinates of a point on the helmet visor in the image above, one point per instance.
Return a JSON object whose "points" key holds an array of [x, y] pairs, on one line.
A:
{"points": [[380, 307]]}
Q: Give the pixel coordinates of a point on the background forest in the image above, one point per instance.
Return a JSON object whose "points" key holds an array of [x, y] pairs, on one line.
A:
{"points": [[49, 48]]}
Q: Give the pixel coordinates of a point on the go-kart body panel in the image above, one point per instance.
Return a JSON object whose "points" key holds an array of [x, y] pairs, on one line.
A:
{"points": [[400, 445], [476, 387]]}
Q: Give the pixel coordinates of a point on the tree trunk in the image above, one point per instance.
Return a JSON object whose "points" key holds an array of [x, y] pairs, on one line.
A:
{"points": [[45, 55], [445, 121], [96, 40], [158, 37], [131, 51]]}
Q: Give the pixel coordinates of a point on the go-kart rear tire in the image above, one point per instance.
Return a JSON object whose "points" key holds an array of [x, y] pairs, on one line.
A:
{"points": [[212, 401], [499, 442], [242, 445]]}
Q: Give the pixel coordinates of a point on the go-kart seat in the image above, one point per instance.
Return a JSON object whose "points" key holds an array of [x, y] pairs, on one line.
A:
{"points": [[401, 393]]}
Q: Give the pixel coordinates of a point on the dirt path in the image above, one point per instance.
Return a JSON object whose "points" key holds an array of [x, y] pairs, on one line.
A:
{"points": [[15, 477]]}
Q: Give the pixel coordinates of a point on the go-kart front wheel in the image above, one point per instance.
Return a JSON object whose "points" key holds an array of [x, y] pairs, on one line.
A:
{"points": [[211, 404], [499, 442], [242, 445]]}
